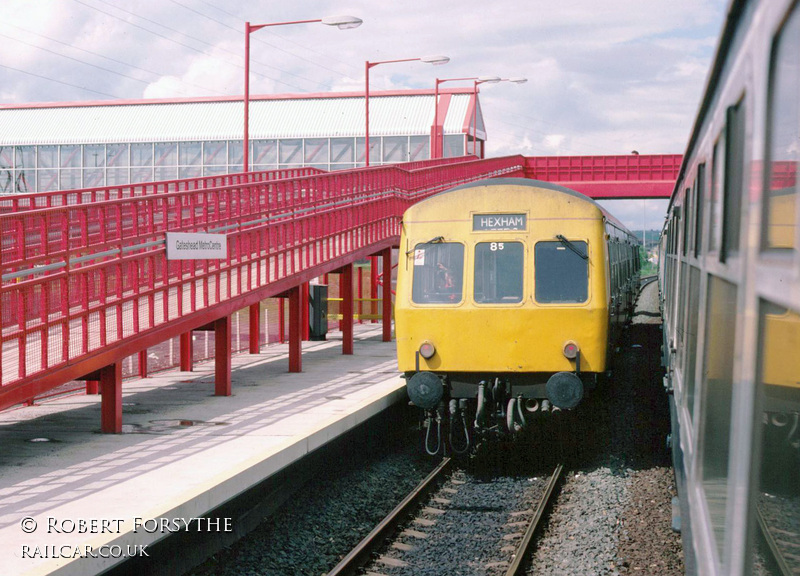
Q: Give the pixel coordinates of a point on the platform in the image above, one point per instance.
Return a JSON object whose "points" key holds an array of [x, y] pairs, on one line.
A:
{"points": [[182, 452]]}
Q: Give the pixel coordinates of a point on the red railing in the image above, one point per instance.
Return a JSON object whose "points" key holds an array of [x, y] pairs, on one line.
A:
{"points": [[86, 282], [17, 202]]}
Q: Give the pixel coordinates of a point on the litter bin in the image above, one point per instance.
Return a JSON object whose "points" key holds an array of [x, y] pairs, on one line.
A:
{"points": [[318, 311]]}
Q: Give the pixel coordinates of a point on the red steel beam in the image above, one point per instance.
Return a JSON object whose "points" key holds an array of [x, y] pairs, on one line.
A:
{"points": [[186, 351], [222, 356], [387, 295], [111, 400], [621, 190], [255, 328], [143, 363], [295, 331], [346, 288]]}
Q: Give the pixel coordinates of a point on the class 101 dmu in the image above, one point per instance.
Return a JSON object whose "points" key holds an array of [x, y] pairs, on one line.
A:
{"points": [[510, 295]]}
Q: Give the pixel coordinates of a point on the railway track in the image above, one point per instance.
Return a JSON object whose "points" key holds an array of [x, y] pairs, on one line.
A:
{"points": [[361, 554], [458, 526], [645, 280]]}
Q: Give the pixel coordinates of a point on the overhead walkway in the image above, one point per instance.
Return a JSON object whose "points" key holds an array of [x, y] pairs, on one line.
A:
{"points": [[86, 281]]}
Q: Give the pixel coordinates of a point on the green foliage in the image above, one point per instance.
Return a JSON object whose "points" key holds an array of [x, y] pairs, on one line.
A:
{"points": [[647, 267]]}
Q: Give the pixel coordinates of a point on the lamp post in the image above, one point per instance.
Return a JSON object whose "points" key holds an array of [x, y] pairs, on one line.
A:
{"points": [[341, 22], [514, 79], [436, 149], [435, 60]]}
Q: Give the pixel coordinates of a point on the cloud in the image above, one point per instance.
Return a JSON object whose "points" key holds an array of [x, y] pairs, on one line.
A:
{"points": [[602, 79]]}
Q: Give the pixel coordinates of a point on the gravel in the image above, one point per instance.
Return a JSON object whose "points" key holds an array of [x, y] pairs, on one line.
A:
{"points": [[613, 515], [322, 523]]}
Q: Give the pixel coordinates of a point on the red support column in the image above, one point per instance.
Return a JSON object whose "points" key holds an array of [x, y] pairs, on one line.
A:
{"points": [[255, 328], [222, 356], [387, 295], [143, 363], [281, 321], [92, 387], [295, 331], [111, 401], [360, 294], [304, 312], [373, 288], [346, 288], [186, 351]]}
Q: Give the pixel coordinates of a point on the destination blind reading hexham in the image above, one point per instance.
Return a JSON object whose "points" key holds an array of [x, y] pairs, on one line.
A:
{"points": [[499, 222]]}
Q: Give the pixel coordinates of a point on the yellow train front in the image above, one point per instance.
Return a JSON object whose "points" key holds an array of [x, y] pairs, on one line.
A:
{"points": [[510, 293]]}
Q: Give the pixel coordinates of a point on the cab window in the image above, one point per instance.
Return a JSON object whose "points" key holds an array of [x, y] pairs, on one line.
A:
{"points": [[498, 272], [561, 271], [438, 273]]}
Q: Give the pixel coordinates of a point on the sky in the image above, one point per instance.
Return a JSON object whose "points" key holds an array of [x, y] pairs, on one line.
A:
{"points": [[604, 77]]}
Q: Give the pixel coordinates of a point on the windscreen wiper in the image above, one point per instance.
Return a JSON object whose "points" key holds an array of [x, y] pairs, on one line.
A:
{"points": [[571, 246], [435, 240]]}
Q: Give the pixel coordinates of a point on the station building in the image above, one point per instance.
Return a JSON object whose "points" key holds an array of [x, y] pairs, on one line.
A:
{"points": [[73, 145]]}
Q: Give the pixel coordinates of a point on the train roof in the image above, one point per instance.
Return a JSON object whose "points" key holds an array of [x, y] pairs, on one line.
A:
{"points": [[729, 41], [530, 183]]}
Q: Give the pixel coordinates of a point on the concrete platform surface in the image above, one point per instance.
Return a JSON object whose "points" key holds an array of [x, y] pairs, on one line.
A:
{"points": [[73, 501]]}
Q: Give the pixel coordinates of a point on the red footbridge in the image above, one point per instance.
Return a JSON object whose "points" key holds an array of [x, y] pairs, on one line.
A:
{"points": [[86, 282]]}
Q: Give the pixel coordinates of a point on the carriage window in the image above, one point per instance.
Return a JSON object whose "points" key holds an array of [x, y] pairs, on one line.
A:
{"points": [[700, 186], [774, 528], [562, 271], [780, 210], [687, 219], [692, 336], [717, 400], [717, 176], [734, 176], [438, 273], [498, 272]]}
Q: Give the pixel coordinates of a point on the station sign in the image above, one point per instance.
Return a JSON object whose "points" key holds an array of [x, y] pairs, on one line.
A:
{"points": [[196, 246], [482, 222]]}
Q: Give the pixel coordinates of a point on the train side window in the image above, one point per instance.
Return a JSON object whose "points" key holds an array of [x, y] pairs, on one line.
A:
{"points": [[438, 273], [498, 272], [717, 400], [734, 178], [688, 206], [700, 186], [693, 315], [561, 274], [783, 139], [776, 459], [717, 178]]}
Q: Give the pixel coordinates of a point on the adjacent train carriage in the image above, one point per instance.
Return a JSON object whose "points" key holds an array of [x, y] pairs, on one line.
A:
{"points": [[509, 295], [730, 284]]}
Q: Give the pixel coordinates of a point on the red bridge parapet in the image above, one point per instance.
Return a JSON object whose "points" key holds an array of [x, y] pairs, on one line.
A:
{"points": [[609, 177]]}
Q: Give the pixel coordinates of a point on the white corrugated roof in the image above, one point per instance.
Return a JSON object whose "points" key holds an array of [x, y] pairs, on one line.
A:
{"points": [[331, 116]]}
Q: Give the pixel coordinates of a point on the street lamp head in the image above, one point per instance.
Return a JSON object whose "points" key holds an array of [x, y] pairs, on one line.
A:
{"points": [[435, 60], [488, 79], [518, 80], [342, 22]]}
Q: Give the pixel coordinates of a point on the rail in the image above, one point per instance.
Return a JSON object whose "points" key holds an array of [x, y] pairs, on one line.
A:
{"points": [[525, 547], [361, 554]]}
